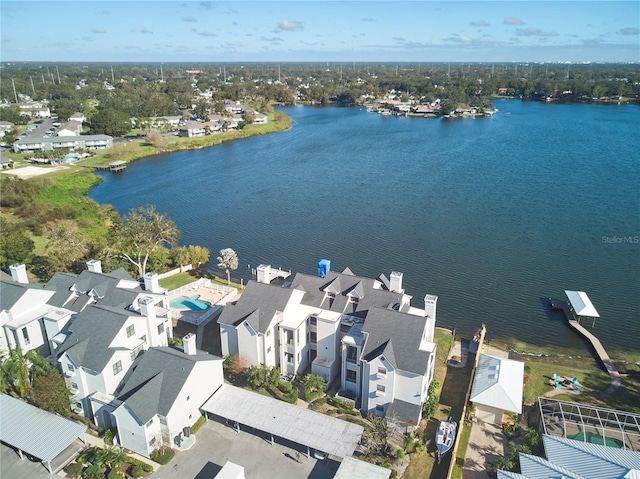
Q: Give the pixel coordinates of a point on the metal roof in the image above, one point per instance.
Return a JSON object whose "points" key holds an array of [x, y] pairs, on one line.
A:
{"points": [[498, 383], [351, 468], [582, 304], [303, 426], [34, 431]]}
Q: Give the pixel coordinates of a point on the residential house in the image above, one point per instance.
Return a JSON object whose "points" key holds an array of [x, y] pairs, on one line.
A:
{"points": [[5, 126], [77, 116], [192, 129], [162, 396], [260, 119], [312, 324], [497, 388], [71, 128], [576, 459]]}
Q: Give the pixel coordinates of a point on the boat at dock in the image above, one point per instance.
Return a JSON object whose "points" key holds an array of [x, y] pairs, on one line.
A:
{"points": [[445, 436]]}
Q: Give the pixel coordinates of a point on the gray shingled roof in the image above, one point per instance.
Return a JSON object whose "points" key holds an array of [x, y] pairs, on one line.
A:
{"points": [[158, 379], [345, 282], [257, 305], [105, 284], [91, 334], [11, 292], [397, 336]]}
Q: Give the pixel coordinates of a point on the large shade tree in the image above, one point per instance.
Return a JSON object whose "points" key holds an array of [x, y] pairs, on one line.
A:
{"points": [[142, 232], [228, 260]]}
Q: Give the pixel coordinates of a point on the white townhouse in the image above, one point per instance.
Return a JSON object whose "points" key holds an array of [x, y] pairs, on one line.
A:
{"points": [[27, 319], [313, 323], [102, 344], [71, 128], [162, 397]]}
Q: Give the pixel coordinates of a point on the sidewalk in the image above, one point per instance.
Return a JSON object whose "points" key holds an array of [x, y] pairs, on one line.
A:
{"points": [[98, 442]]}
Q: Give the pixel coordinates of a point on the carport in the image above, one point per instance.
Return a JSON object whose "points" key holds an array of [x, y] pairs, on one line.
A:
{"points": [[35, 432], [277, 418]]}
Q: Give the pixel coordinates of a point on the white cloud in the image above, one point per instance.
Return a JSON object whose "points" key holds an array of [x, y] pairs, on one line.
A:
{"points": [[289, 26], [513, 21], [480, 23], [189, 19]]}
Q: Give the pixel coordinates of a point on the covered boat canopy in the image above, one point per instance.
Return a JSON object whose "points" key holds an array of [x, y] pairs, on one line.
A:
{"points": [[582, 304]]}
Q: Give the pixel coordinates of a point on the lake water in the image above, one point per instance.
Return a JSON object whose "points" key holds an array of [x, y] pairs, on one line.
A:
{"points": [[493, 215]]}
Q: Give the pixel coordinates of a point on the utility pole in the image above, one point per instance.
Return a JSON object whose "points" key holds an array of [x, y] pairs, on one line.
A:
{"points": [[14, 91], [112, 79], [58, 72], [161, 74], [43, 79], [32, 88]]}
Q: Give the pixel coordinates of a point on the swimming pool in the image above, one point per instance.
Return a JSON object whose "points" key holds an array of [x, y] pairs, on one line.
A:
{"points": [[192, 303], [596, 439]]}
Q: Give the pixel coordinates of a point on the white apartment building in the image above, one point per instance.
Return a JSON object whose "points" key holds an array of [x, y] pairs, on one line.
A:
{"points": [[336, 326]]}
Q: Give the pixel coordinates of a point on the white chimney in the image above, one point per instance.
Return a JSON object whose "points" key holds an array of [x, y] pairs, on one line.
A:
{"points": [[189, 344], [430, 301], [263, 273], [151, 282], [94, 265], [396, 282], [19, 273], [147, 308]]}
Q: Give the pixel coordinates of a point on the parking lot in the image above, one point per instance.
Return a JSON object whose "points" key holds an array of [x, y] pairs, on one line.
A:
{"points": [[217, 443], [12, 466]]}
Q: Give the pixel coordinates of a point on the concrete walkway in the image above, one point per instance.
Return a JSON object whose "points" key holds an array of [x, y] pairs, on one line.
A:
{"points": [[486, 443]]}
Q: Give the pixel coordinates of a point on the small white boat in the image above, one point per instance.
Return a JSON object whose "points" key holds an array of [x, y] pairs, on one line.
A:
{"points": [[445, 436]]}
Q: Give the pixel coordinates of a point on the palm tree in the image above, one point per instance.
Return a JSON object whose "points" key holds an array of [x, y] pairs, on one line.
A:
{"points": [[111, 456], [18, 370], [314, 383], [228, 260]]}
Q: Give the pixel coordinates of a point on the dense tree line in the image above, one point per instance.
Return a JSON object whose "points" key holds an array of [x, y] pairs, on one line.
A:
{"points": [[146, 90]]}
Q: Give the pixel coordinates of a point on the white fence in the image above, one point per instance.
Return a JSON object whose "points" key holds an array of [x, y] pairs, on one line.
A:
{"points": [[196, 317]]}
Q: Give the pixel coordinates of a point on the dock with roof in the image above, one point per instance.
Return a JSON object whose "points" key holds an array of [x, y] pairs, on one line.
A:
{"points": [[579, 306]]}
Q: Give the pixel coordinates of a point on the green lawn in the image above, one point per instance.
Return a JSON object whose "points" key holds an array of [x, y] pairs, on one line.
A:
{"points": [[177, 280], [455, 382]]}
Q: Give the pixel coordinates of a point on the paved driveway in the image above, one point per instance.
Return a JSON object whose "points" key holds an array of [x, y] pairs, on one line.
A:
{"points": [[485, 444], [217, 443], [11, 466]]}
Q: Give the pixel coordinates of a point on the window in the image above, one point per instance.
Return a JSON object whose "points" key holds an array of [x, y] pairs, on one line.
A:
{"points": [[382, 371], [25, 335], [297, 336], [352, 354], [137, 352], [313, 320], [152, 442], [150, 422], [351, 376], [163, 420], [313, 337], [117, 368], [345, 327], [160, 328], [380, 390], [268, 349], [288, 357], [74, 386], [288, 335], [131, 330], [70, 367]]}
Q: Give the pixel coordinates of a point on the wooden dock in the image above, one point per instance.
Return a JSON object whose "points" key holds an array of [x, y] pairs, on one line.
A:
{"points": [[114, 167], [566, 308]]}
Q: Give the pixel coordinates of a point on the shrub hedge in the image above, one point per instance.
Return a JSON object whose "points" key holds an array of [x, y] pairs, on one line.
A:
{"points": [[163, 455]]}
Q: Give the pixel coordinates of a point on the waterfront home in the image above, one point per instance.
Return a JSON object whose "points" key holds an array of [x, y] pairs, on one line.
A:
{"points": [[84, 142], [77, 116], [341, 327]]}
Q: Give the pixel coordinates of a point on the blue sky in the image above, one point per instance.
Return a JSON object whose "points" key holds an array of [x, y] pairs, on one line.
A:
{"points": [[282, 31]]}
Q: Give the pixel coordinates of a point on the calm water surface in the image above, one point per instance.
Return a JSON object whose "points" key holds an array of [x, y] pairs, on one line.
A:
{"points": [[493, 215]]}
